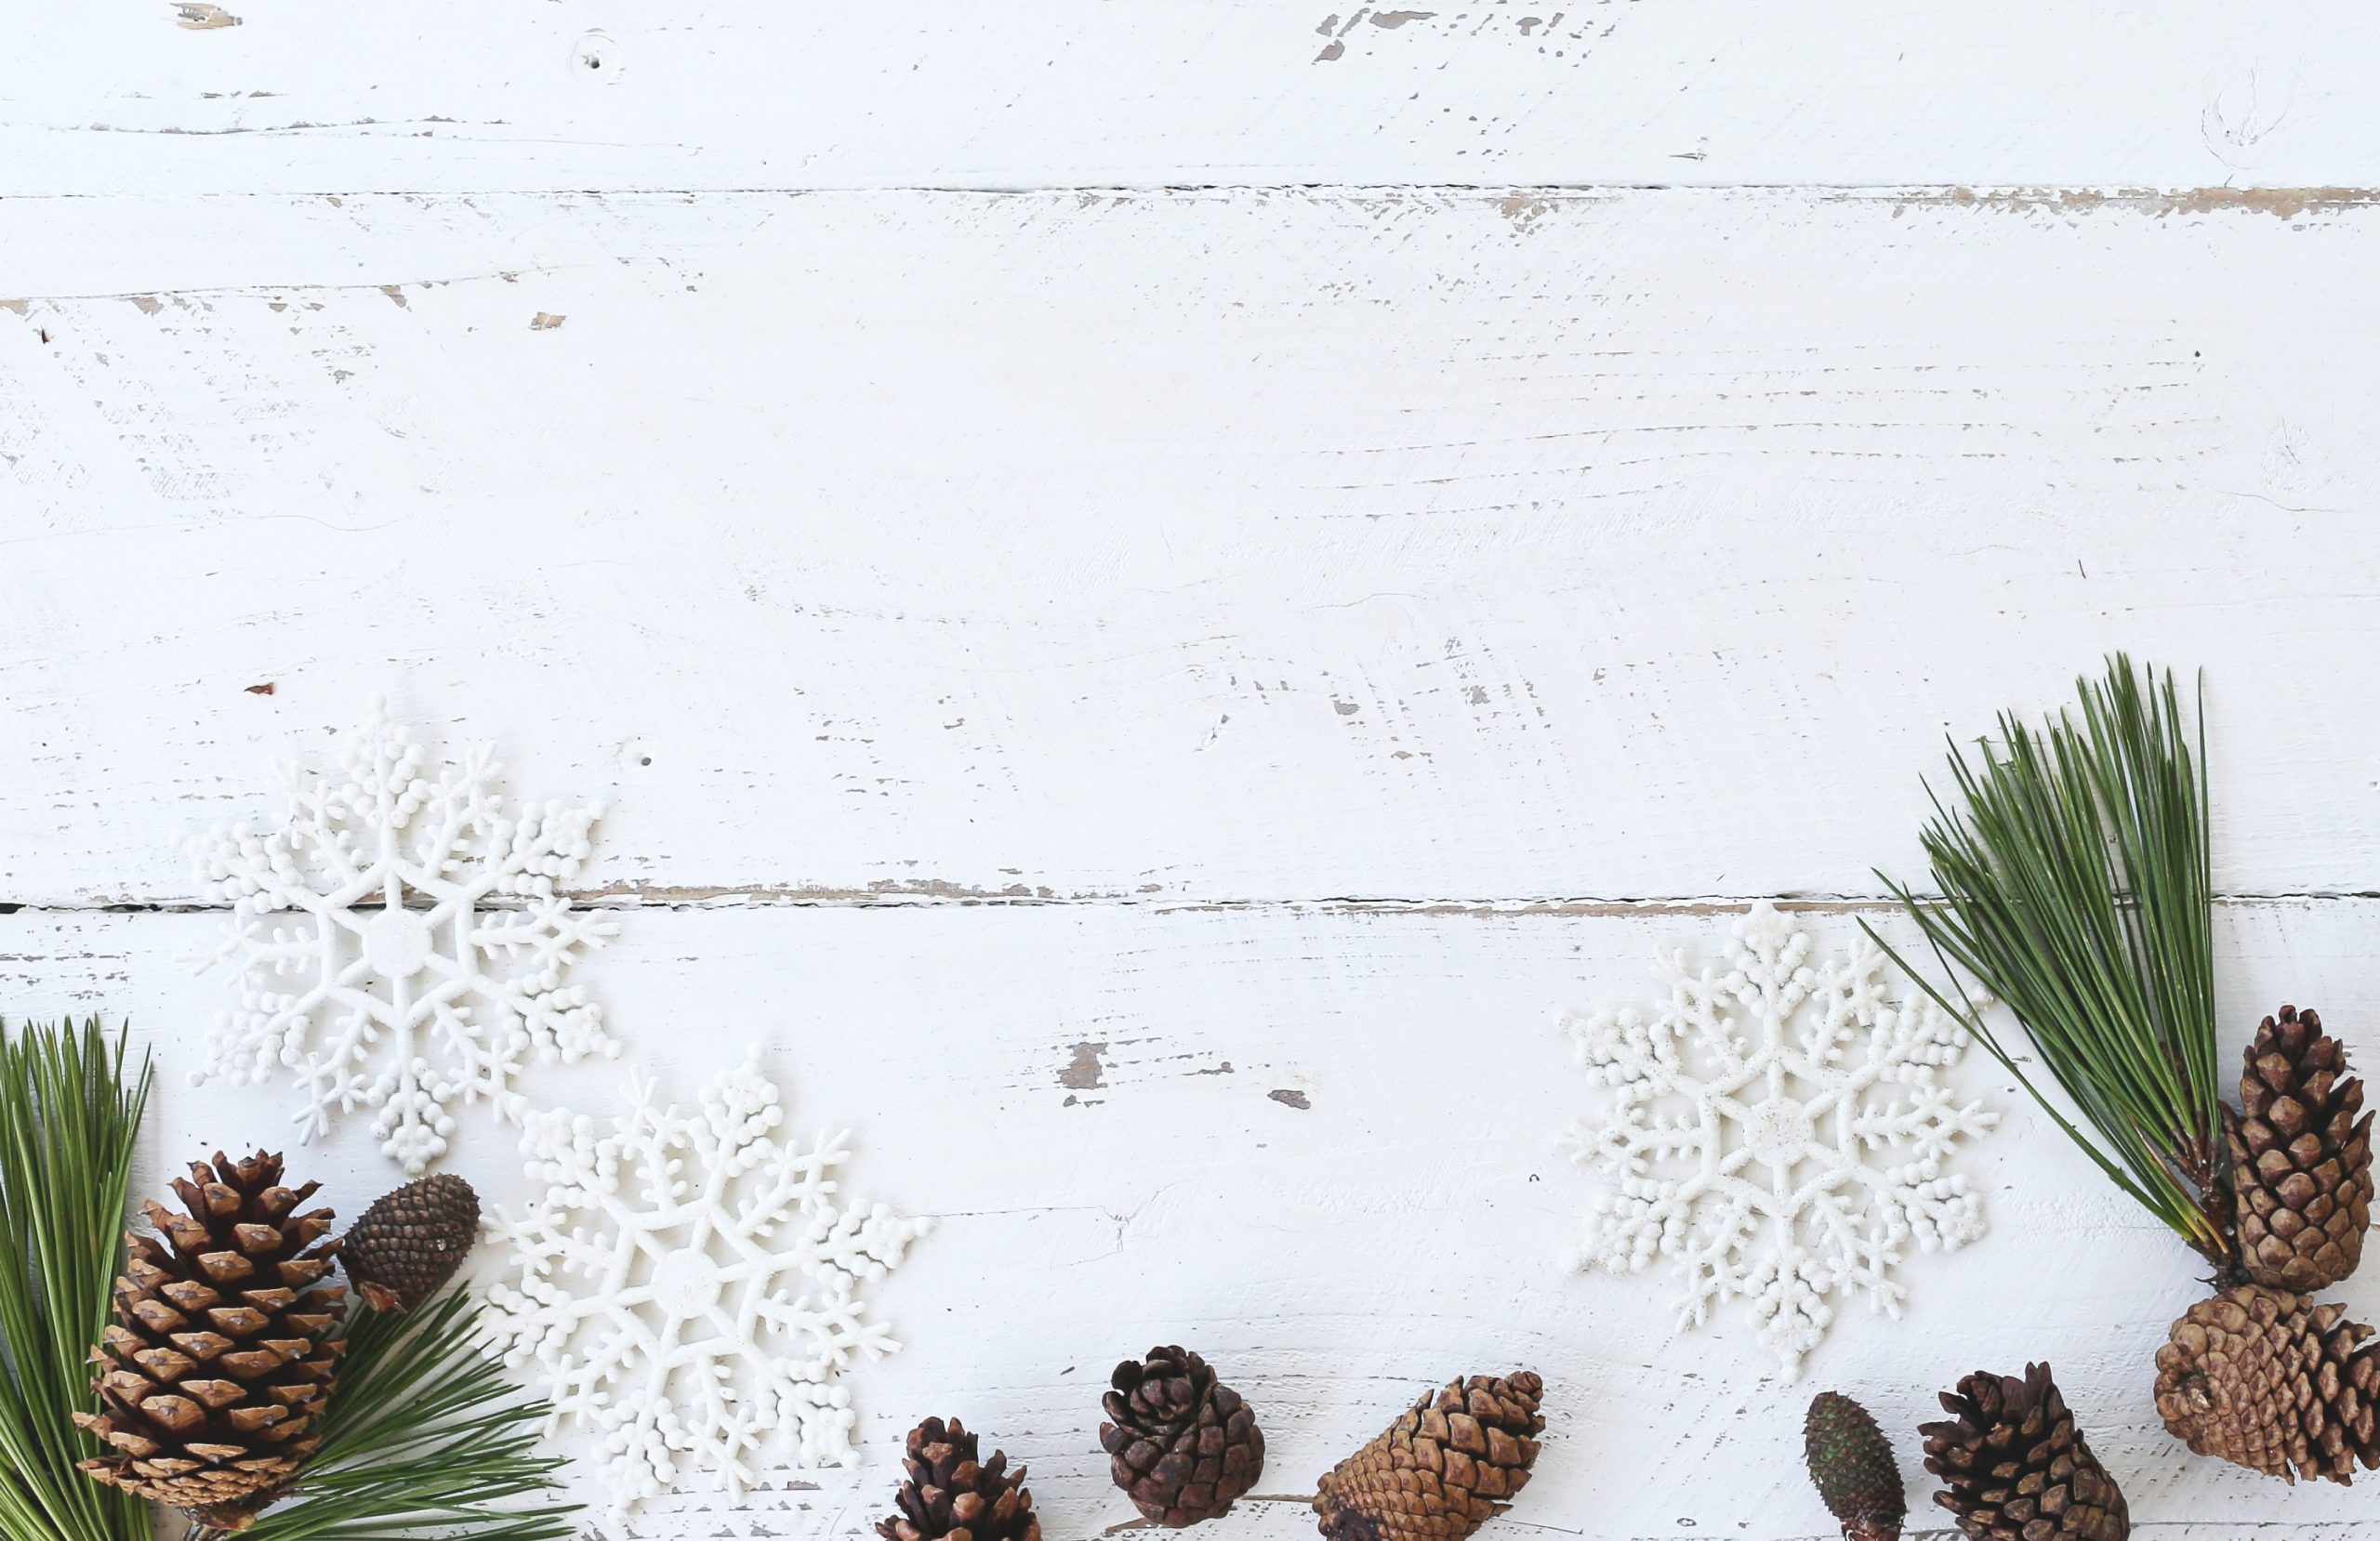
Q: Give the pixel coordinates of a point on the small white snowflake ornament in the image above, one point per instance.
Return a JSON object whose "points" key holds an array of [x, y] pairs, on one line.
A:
{"points": [[689, 1285], [1778, 1133], [398, 942]]}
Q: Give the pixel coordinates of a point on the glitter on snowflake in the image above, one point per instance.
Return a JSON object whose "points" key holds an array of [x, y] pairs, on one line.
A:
{"points": [[1778, 1133], [687, 1285], [399, 942]]}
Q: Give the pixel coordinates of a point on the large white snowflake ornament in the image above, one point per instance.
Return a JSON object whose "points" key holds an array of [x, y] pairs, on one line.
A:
{"points": [[688, 1285], [1778, 1133], [399, 941]]}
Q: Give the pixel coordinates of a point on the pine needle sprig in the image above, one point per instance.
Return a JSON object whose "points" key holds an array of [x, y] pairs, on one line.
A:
{"points": [[2077, 887], [426, 1437], [70, 1116]]}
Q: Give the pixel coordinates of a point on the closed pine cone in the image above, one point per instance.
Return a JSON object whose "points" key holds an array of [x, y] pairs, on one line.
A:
{"points": [[1179, 1441], [2300, 1158], [1852, 1466], [410, 1242], [951, 1496], [2274, 1382], [216, 1371], [1440, 1471], [2015, 1467]]}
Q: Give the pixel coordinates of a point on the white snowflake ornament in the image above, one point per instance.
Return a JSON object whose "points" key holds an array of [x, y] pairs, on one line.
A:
{"points": [[689, 1285], [400, 943], [1778, 1133]]}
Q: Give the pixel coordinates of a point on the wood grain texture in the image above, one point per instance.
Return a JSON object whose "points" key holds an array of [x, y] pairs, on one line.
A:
{"points": [[1403, 1226], [293, 96], [1196, 550]]}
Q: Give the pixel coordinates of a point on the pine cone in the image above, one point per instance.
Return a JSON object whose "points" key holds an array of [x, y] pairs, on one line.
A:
{"points": [[1182, 1444], [220, 1361], [410, 1242], [1438, 1472], [2274, 1382], [1851, 1462], [2016, 1467], [2301, 1160], [950, 1498]]}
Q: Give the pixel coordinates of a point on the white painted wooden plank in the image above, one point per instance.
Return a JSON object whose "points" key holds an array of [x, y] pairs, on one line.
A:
{"points": [[452, 96], [1404, 1225], [1201, 548]]}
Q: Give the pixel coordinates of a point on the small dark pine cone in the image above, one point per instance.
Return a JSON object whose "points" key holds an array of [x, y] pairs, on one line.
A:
{"points": [[2014, 1467], [1442, 1468], [951, 1496], [1180, 1441], [412, 1241], [2301, 1156], [1852, 1466]]}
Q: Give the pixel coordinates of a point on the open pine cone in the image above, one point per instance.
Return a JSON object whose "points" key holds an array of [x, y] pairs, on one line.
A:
{"points": [[2014, 1467], [2301, 1156], [220, 1363], [1440, 1471], [2274, 1382], [1179, 1441], [951, 1496]]}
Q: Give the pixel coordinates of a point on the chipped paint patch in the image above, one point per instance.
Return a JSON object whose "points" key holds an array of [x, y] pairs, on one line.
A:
{"points": [[1394, 19], [397, 295], [148, 305], [2284, 203], [545, 321], [1290, 1098], [201, 18], [20, 306], [1085, 1071]]}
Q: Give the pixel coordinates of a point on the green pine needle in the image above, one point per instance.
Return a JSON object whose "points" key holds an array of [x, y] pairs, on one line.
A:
{"points": [[426, 1437], [69, 1118], [2077, 888]]}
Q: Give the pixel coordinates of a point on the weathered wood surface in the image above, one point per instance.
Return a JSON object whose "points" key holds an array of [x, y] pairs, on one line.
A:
{"points": [[453, 95], [1084, 1096], [1497, 488], [1225, 548]]}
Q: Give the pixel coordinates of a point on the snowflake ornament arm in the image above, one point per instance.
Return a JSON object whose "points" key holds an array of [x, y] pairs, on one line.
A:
{"points": [[688, 1285], [1778, 1134], [401, 944]]}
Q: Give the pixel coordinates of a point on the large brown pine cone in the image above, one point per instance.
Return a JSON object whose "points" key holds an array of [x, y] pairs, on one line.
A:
{"points": [[1440, 1471], [2274, 1382], [2300, 1158], [2015, 1467], [215, 1373], [1179, 1441], [410, 1242], [951, 1496]]}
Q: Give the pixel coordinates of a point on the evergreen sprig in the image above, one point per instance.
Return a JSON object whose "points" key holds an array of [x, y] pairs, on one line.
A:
{"points": [[425, 1437], [2076, 887], [69, 1118]]}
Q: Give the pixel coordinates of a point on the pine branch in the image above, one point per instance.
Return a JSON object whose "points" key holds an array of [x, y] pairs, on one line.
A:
{"points": [[2076, 885], [69, 1120], [425, 1437]]}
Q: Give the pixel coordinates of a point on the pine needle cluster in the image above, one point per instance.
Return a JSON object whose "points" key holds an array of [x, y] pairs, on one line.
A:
{"points": [[2075, 886]]}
